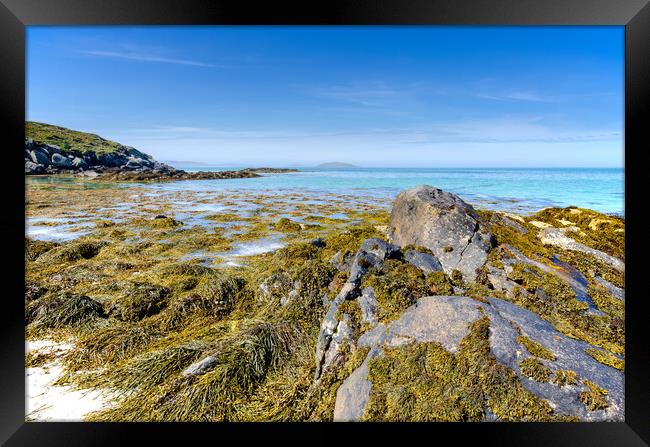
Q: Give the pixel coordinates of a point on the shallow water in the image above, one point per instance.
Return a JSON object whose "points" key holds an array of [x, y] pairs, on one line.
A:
{"points": [[256, 247], [518, 190]]}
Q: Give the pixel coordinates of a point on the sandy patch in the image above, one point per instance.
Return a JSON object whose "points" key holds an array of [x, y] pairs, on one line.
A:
{"points": [[48, 402]]}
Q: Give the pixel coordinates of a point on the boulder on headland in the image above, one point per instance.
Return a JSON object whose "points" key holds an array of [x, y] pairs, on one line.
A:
{"points": [[60, 161]]}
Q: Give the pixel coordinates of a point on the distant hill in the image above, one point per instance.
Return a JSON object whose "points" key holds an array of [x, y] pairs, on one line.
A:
{"points": [[336, 164]]}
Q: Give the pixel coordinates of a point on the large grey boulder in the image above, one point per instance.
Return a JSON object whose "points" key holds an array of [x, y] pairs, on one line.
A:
{"points": [[60, 161], [442, 222]]}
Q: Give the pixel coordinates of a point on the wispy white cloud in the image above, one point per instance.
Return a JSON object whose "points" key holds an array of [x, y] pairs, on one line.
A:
{"points": [[147, 57], [517, 96], [495, 130], [371, 94]]}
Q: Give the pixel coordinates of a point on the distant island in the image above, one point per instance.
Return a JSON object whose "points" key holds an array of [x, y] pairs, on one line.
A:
{"points": [[336, 164]]}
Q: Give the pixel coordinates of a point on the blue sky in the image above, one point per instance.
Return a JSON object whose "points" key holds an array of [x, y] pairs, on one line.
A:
{"points": [[372, 96]]}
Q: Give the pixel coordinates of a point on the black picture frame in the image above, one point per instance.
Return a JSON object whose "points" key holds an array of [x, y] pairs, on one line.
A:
{"points": [[16, 14]]}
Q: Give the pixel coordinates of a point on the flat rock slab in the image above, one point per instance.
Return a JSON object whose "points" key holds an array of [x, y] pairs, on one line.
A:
{"points": [[352, 396], [558, 238], [440, 319]]}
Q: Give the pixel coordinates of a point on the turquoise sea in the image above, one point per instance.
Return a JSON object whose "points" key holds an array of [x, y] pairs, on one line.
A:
{"points": [[523, 190]]}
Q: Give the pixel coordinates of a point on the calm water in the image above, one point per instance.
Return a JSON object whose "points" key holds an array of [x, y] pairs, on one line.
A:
{"points": [[518, 190], [521, 190]]}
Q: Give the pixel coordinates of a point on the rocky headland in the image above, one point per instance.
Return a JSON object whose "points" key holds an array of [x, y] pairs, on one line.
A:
{"points": [[435, 311], [51, 150]]}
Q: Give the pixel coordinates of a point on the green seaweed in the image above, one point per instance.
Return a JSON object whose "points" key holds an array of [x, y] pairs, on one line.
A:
{"points": [[534, 369], [536, 348], [424, 382], [565, 377], [594, 398], [607, 358]]}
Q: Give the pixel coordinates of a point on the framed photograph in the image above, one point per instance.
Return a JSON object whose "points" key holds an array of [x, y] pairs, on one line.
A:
{"points": [[357, 217]]}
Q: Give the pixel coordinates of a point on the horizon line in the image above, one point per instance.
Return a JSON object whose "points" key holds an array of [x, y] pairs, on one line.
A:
{"points": [[209, 165]]}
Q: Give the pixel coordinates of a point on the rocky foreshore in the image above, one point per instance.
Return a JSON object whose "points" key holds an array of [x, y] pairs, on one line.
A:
{"points": [[436, 311]]}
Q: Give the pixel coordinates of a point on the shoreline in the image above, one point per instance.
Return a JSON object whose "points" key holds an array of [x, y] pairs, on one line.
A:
{"points": [[178, 273]]}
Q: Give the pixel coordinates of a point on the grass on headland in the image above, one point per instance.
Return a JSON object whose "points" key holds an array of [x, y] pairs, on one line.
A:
{"points": [[67, 139]]}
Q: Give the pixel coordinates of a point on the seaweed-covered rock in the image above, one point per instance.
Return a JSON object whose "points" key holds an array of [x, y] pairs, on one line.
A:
{"points": [[61, 310], [341, 261], [277, 286], [33, 291], [362, 262], [287, 226], [511, 332], [510, 220], [616, 292], [558, 237], [443, 223], [73, 251], [380, 248], [371, 255], [368, 305], [318, 242], [35, 248], [213, 296], [139, 300], [353, 394]]}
